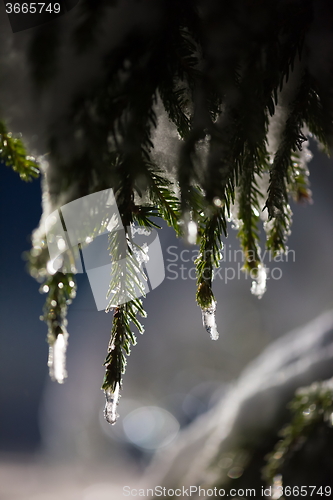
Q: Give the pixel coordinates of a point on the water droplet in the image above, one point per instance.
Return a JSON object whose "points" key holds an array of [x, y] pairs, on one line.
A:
{"points": [[60, 285], [50, 268], [46, 288], [53, 303], [258, 287], [61, 244], [71, 284], [112, 400], [330, 420], [57, 358], [217, 201], [209, 321], [255, 211], [192, 231]]}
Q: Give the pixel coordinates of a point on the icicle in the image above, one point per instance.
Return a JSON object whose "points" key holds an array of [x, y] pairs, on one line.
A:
{"points": [[209, 322], [112, 400], [190, 229], [57, 358], [259, 284]]}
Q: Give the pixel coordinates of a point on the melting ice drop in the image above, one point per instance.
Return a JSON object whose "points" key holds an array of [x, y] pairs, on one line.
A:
{"points": [[209, 322]]}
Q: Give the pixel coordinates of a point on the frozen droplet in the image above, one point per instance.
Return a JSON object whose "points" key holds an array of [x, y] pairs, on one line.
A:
{"points": [[46, 288], [61, 243], [53, 303], [71, 284], [258, 287], [209, 321], [57, 358], [217, 201], [112, 400], [60, 284]]}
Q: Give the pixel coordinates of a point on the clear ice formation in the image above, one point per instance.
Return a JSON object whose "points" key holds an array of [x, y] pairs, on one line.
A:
{"points": [[209, 321], [258, 287], [57, 358]]}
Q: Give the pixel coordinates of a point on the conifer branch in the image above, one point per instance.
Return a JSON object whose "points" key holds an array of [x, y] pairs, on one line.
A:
{"points": [[280, 175], [14, 155]]}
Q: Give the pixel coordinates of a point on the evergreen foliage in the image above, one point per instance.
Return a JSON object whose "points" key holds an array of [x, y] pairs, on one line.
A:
{"points": [[224, 72]]}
